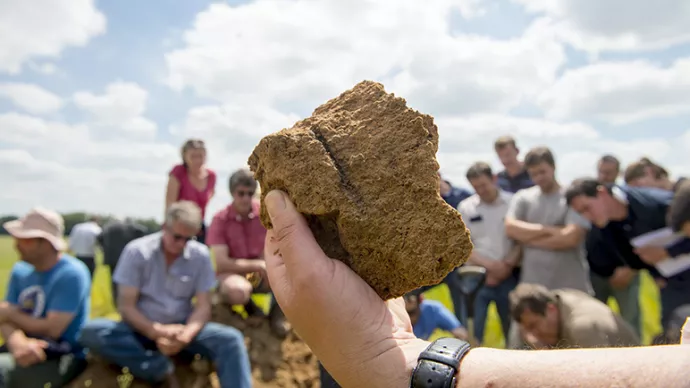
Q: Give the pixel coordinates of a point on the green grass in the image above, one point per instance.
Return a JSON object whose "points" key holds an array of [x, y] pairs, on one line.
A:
{"points": [[102, 305]]}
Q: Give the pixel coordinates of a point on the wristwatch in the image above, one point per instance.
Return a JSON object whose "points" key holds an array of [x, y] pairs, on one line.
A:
{"points": [[438, 365]]}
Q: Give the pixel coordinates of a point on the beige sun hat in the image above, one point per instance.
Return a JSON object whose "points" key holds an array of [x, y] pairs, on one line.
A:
{"points": [[39, 223]]}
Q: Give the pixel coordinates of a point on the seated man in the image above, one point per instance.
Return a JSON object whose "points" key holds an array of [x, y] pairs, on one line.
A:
{"points": [[567, 318], [157, 277], [429, 315], [47, 303], [236, 237]]}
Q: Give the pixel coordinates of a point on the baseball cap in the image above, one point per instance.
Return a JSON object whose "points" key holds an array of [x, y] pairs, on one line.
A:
{"points": [[39, 222]]}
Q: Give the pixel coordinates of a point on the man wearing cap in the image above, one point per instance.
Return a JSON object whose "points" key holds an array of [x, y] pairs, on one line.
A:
{"points": [[47, 303]]}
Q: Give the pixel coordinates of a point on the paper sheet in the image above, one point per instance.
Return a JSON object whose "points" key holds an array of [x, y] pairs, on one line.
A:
{"points": [[661, 238]]}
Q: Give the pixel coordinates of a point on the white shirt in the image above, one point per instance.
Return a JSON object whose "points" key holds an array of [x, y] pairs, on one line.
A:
{"points": [[486, 222], [82, 239]]}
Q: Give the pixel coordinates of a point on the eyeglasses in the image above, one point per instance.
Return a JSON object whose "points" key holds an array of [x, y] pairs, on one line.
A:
{"points": [[242, 193]]}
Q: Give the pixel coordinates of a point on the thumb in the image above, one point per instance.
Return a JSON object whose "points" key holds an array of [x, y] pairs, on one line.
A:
{"points": [[292, 235]]}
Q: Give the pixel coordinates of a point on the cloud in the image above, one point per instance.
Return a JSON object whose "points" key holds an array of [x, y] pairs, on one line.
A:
{"points": [[294, 55], [44, 28], [32, 98], [120, 108], [620, 92]]}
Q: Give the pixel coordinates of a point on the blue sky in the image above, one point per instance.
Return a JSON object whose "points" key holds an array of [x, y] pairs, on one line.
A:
{"points": [[547, 71]]}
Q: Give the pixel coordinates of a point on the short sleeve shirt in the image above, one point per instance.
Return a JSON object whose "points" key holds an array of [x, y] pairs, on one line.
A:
{"points": [[486, 222], [244, 236], [64, 288], [433, 315], [190, 193], [165, 292], [552, 269]]}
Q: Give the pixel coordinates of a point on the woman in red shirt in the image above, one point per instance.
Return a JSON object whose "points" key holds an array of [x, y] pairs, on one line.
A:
{"points": [[192, 180]]}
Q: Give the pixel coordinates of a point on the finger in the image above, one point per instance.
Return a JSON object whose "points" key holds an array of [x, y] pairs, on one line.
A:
{"points": [[291, 233]]}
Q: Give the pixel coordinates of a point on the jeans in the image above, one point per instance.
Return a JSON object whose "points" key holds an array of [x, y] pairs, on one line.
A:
{"points": [[498, 295], [628, 299], [118, 343], [55, 373]]}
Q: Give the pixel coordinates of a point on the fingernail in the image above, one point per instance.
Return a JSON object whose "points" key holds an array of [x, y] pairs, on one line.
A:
{"points": [[275, 202]]}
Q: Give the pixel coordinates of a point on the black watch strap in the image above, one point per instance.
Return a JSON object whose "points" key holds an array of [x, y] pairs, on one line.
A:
{"points": [[439, 363]]}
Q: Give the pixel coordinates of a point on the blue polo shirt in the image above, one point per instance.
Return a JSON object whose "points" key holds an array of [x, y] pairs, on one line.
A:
{"points": [[434, 315], [65, 288], [456, 195], [513, 184], [610, 247]]}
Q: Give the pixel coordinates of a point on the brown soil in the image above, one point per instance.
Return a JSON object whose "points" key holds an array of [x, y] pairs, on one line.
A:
{"points": [[363, 171], [276, 363]]}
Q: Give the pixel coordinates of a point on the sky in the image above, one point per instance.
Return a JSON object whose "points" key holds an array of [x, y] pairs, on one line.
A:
{"points": [[96, 97]]}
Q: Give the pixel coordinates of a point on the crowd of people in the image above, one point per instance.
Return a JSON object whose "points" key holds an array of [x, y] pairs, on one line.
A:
{"points": [[553, 256]]}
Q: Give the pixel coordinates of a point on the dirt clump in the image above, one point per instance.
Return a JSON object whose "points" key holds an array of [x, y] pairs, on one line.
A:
{"points": [[363, 171]]}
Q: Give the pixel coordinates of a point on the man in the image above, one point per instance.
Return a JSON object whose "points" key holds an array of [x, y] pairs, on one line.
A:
{"points": [[47, 303], [484, 214], [679, 213], [237, 237], [158, 276], [645, 173], [568, 319], [428, 315], [115, 236], [82, 242], [619, 214], [515, 176], [451, 194], [624, 284], [551, 234]]}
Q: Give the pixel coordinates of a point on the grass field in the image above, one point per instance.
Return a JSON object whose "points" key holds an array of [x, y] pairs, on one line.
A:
{"points": [[102, 305]]}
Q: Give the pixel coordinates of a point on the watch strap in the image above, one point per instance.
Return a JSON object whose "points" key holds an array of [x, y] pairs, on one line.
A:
{"points": [[438, 365]]}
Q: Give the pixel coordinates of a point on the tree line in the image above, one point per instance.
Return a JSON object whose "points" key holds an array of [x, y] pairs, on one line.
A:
{"points": [[72, 219]]}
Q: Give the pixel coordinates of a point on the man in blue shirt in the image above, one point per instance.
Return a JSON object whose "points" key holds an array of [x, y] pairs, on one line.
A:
{"points": [[428, 315], [514, 177], [451, 194], [47, 303], [158, 276], [619, 214]]}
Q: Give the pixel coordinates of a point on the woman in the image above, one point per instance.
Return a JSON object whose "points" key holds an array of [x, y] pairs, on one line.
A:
{"points": [[192, 180]]}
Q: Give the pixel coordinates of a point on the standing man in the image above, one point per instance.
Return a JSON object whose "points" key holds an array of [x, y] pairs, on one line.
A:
{"points": [[236, 237], [484, 214], [619, 214], [115, 236], [451, 194], [552, 235], [83, 240], [159, 275], [46, 305], [624, 284], [515, 176]]}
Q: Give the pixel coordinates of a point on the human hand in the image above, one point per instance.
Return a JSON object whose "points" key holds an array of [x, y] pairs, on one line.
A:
{"points": [[375, 346], [169, 346], [652, 255], [29, 352], [622, 277], [166, 331]]}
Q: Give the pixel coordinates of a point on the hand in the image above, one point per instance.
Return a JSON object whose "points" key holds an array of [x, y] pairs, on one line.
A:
{"points": [[169, 346], [29, 352], [652, 255], [622, 277], [660, 282], [376, 346], [166, 331]]}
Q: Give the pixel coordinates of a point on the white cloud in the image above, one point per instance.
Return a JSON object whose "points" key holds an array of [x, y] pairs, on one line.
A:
{"points": [[294, 55], [32, 98], [44, 28], [620, 92], [120, 109], [616, 25]]}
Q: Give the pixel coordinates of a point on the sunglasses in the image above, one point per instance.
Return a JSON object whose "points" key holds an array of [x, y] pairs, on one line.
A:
{"points": [[242, 193], [179, 237]]}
